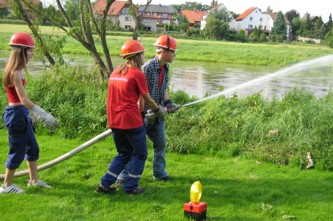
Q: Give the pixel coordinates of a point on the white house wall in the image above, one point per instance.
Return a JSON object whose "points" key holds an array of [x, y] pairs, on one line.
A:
{"points": [[126, 21], [255, 18]]}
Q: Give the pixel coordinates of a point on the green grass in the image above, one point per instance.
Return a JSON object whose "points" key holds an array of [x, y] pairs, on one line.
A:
{"points": [[237, 188], [194, 50]]}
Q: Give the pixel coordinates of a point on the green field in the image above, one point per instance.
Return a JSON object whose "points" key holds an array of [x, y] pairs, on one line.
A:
{"points": [[195, 50]]}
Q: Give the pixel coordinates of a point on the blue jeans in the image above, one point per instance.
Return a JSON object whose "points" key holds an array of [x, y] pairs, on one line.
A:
{"points": [[21, 137], [156, 133], [132, 147]]}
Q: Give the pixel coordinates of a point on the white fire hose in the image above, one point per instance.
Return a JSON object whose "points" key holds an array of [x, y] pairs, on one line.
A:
{"points": [[65, 156]]}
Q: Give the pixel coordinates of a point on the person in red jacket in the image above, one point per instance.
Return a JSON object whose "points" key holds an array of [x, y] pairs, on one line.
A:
{"points": [[17, 115], [126, 84]]}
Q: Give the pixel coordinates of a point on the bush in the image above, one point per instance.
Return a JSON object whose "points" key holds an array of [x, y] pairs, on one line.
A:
{"points": [[75, 98], [280, 131]]}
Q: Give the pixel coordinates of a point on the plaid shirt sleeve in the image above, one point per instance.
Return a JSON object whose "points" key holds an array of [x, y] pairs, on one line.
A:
{"points": [[152, 71]]}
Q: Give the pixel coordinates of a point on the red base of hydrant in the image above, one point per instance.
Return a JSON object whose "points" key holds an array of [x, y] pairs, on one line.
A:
{"points": [[196, 211]]}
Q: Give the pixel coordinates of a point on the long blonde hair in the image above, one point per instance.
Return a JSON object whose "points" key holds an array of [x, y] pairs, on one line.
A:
{"points": [[132, 61], [17, 61]]}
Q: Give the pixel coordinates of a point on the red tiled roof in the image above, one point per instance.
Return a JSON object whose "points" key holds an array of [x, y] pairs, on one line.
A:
{"points": [[193, 16], [115, 7], [245, 14]]}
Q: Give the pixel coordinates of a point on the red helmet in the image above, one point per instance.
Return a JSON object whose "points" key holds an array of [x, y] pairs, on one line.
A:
{"points": [[167, 42], [131, 47], [22, 39]]}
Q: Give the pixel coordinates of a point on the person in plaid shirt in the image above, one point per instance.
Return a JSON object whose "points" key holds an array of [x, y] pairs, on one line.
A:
{"points": [[156, 71]]}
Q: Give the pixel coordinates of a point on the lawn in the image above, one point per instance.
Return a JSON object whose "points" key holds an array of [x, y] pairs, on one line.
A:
{"points": [[237, 188]]}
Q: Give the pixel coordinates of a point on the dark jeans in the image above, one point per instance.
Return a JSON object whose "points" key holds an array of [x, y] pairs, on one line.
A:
{"points": [[21, 137], [131, 146]]}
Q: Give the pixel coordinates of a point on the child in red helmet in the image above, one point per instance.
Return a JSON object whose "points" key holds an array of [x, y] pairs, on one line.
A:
{"points": [[22, 140], [126, 84], [157, 74]]}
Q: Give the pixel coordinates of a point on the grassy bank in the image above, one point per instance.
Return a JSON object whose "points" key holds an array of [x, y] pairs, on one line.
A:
{"points": [[237, 188], [195, 50], [281, 131]]}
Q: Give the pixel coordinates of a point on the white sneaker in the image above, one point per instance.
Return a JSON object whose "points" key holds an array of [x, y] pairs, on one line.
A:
{"points": [[40, 183], [10, 189]]}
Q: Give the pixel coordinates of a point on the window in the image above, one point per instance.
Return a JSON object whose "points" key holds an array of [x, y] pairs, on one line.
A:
{"points": [[251, 18], [128, 18], [250, 26], [261, 19]]}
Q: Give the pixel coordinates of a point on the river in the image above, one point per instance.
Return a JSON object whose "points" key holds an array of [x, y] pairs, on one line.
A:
{"points": [[200, 79]]}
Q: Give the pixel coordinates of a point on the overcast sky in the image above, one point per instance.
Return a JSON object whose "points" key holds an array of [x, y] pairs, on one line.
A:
{"points": [[321, 8]]}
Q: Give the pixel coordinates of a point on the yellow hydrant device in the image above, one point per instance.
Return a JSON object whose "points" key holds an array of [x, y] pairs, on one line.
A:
{"points": [[195, 209]]}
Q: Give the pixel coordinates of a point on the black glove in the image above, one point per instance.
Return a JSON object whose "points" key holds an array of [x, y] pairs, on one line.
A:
{"points": [[171, 107]]}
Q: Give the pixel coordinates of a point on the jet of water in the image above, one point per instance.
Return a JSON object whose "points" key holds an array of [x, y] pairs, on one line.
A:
{"points": [[322, 61]]}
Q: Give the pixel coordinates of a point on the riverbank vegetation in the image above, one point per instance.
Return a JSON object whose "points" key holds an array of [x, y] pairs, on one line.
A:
{"points": [[280, 130]]}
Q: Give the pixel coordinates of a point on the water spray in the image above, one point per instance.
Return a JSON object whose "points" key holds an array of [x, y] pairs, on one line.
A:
{"points": [[326, 60]]}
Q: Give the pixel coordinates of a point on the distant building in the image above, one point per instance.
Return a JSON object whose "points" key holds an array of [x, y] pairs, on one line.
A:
{"points": [[253, 17], [194, 17], [118, 13]]}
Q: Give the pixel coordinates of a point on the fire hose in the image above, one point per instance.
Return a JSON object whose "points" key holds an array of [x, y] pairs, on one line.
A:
{"points": [[65, 156], [72, 152]]}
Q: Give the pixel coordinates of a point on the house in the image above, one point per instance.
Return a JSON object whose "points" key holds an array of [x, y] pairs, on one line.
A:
{"points": [[118, 13], [194, 17], [156, 15], [162, 13], [216, 7], [253, 17]]}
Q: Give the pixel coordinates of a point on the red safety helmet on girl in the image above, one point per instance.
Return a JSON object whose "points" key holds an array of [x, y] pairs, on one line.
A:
{"points": [[22, 39], [131, 47]]}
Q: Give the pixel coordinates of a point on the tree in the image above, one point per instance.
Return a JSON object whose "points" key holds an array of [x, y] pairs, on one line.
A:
{"points": [[279, 29], [329, 38], [81, 29], [193, 6], [184, 24], [294, 18], [137, 17], [317, 27], [290, 15], [215, 28], [217, 24], [297, 24]]}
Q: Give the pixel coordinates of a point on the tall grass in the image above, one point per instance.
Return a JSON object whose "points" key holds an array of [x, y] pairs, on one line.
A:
{"points": [[280, 131]]}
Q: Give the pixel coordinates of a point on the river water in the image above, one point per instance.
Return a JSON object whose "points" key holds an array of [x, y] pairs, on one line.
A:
{"points": [[201, 79]]}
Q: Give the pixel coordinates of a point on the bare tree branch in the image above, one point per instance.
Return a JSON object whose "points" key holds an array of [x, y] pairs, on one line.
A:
{"points": [[137, 17], [35, 32]]}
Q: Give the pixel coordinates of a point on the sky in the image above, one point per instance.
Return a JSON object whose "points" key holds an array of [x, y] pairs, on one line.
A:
{"points": [[321, 8]]}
